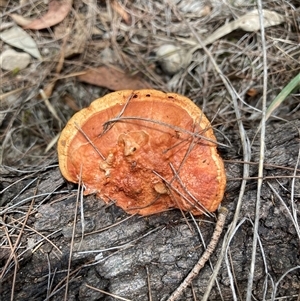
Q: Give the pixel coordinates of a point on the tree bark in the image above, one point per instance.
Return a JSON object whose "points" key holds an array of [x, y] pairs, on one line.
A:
{"points": [[135, 257]]}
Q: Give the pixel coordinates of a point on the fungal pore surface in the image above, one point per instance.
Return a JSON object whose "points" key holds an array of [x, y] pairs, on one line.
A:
{"points": [[146, 150]]}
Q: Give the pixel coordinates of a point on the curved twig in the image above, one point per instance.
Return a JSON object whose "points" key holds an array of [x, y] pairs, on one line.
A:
{"points": [[203, 259]]}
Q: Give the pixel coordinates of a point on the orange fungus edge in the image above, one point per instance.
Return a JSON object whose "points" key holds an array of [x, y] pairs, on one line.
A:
{"points": [[128, 177]]}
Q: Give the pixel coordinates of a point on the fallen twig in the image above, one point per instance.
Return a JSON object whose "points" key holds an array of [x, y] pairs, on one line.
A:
{"points": [[206, 255]]}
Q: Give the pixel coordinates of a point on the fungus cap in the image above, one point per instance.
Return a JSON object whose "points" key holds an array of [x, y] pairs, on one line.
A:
{"points": [[146, 150]]}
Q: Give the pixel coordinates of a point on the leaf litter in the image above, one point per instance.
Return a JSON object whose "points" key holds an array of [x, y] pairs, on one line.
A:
{"points": [[57, 12], [113, 79], [248, 22], [154, 23], [19, 38]]}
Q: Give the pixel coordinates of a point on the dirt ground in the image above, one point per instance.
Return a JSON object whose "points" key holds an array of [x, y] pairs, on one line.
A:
{"points": [[55, 243]]}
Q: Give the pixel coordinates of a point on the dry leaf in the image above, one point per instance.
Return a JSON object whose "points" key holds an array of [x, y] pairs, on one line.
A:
{"points": [[70, 101], [20, 20], [248, 22], [112, 79], [19, 38], [57, 11], [121, 11]]}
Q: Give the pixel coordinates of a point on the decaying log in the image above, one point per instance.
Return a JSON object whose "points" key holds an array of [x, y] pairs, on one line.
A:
{"points": [[116, 250]]}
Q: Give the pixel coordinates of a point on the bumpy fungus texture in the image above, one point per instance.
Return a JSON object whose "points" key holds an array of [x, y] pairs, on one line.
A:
{"points": [[146, 150]]}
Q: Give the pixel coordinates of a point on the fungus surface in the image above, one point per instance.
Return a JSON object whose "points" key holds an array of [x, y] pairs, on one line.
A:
{"points": [[146, 150]]}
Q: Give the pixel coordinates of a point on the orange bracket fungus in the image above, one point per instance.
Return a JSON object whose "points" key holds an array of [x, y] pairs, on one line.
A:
{"points": [[146, 150]]}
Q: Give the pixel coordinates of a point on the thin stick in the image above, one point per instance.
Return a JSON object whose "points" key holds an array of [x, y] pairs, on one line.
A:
{"points": [[107, 126], [203, 259], [174, 127], [107, 293], [149, 284], [89, 140]]}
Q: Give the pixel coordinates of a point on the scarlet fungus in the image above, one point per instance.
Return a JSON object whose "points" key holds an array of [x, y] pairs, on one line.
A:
{"points": [[146, 150]]}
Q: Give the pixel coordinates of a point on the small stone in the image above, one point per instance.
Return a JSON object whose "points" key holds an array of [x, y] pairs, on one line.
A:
{"points": [[11, 60], [171, 58]]}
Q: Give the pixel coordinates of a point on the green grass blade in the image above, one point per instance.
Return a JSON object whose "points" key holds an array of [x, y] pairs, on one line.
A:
{"points": [[294, 83]]}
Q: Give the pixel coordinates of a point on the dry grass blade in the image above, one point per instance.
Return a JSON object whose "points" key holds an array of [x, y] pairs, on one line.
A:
{"points": [[246, 157], [261, 155], [49, 106], [279, 281], [16, 245], [79, 193], [15, 261], [6, 95], [293, 195], [291, 214], [106, 293]]}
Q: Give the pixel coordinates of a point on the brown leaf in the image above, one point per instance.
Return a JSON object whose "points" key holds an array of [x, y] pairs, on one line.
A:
{"points": [[112, 79], [70, 101], [121, 11], [57, 11]]}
